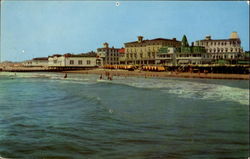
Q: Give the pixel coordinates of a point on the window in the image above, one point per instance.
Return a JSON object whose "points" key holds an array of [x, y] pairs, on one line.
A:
{"points": [[71, 62], [88, 62], [79, 62]]}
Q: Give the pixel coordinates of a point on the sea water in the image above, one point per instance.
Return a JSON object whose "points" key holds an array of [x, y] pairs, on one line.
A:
{"points": [[43, 115]]}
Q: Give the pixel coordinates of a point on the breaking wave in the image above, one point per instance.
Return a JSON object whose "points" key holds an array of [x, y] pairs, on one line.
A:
{"points": [[191, 89], [182, 88]]}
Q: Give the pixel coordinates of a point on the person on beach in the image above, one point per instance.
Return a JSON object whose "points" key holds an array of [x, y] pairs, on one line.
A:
{"points": [[101, 77], [110, 77], [65, 76]]}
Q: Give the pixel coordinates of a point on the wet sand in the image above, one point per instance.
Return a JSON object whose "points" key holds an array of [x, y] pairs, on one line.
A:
{"points": [[148, 74]]}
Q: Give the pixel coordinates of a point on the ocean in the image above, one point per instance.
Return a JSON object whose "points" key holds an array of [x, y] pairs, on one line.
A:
{"points": [[44, 116]]}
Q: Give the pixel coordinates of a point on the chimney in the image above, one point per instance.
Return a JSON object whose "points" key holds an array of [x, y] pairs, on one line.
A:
{"points": [[106, 45], [208, 37], [234, 35], [140, 38]]}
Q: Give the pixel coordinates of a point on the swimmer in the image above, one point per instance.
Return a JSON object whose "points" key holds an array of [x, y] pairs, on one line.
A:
{"points": [[65, 76]]}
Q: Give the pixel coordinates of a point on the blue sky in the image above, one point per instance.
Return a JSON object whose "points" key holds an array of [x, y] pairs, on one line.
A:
{"points": [[40, 28]]}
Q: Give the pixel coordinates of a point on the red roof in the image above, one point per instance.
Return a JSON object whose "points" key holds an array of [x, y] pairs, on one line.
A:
{"points": [[122, 50]]}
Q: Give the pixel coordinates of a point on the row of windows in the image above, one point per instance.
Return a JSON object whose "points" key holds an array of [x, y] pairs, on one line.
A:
{"points": [[225, 56], [112, 54], [165, 55], [148, 44], [221, 43], [145, 49], [108, 50], [79, 62], [134, 55], [223, 50], [112, 59], [189, 55]]}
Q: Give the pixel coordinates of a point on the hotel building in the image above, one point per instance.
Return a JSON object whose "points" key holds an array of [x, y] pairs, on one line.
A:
{"points": [[109, 55], [229, 49], [143, 52]]}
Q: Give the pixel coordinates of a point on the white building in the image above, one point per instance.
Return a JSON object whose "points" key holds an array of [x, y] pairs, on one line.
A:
{"points": [[72, 60], [222, 48], [36, 62], [173, 56]]}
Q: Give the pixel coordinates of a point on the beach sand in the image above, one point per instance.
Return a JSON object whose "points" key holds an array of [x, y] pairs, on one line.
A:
{"points": [[148, 74]]}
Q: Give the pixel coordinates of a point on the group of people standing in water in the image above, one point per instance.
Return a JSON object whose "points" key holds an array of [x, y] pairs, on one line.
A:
{"points": [[108, 75]]}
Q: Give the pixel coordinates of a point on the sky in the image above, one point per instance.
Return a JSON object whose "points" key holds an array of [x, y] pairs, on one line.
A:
{"points": [[41, 28]]}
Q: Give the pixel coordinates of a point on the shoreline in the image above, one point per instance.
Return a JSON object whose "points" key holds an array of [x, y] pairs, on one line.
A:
{"points": [[148, 74]]}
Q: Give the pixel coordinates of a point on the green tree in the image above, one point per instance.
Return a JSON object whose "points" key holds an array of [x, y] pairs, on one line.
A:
{"points": [[184, 41]]}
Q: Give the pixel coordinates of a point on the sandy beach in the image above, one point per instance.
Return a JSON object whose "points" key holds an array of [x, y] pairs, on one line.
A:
{"points": [[148, 74]]}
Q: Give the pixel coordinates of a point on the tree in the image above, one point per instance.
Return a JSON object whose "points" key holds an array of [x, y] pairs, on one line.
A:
{"points": [[184, 41]]}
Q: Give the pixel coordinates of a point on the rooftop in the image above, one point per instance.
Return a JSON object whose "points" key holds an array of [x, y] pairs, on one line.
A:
{"points": [[41, 58], [122, 50], [152, 40], [219, 40], [89, 54]]}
